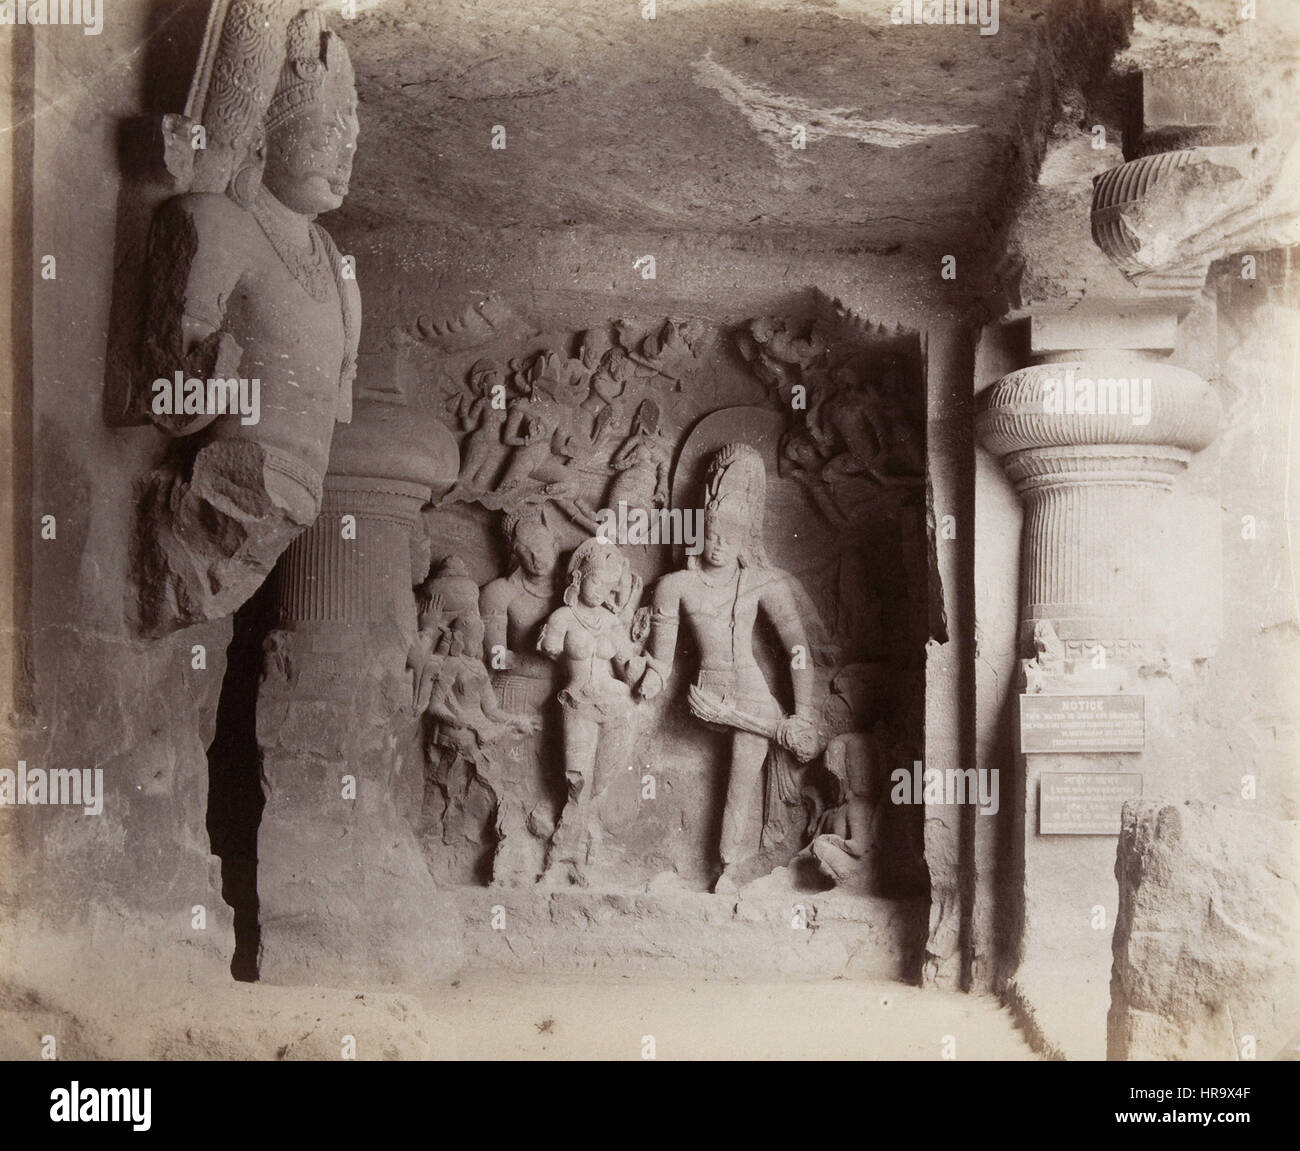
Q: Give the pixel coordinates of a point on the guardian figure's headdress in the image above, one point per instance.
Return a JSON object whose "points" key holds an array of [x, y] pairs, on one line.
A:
{"points": [[262, 61]]}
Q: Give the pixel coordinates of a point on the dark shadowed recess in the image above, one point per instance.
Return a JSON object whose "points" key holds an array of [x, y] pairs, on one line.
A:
{"points": [[234, 777]]}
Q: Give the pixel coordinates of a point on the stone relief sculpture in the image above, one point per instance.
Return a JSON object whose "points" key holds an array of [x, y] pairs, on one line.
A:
{"points": [[593, 419], [547, 426], [514, 607], [869, 431], [452, 686], [545, 435], [856, 761], [1048, 663], [472, 326], [672, 351], [641, 464], [590, 635], [854, 429], [609, 371], [851, 432], [779, 352], [482, 413], [862, 843], [247, 288], [721, 594]]}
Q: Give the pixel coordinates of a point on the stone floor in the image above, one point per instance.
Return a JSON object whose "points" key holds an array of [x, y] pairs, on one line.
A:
{"points": [[492, 1016], [496, 1015]]}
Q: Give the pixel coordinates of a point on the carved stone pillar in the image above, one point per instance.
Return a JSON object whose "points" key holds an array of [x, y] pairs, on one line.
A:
{"points": [[1095, 486], [343, 890], [326, 576], [1094, 447]]}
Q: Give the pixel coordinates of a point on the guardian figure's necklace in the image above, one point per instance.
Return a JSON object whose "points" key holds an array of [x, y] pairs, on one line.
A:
{"points": [[310, 267]]}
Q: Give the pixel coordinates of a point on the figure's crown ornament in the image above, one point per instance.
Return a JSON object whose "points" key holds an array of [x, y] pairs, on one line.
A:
{"points": [[525, 515], [317, 70], [262, 62], [449, 593], [735, 488]]}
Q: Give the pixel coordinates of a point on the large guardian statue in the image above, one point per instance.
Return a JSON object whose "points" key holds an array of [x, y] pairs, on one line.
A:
{"points": [[244, 284]]}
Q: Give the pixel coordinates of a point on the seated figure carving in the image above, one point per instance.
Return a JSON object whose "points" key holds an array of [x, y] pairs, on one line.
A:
{"points": [[855, 760]]}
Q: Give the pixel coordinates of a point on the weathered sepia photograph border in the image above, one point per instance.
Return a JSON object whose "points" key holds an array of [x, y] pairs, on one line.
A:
{"points": [[650, 530]]}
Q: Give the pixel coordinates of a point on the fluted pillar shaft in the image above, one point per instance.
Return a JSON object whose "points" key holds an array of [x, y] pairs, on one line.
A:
{"points": [[358, 572], [1096, 487], [1094, 447]]}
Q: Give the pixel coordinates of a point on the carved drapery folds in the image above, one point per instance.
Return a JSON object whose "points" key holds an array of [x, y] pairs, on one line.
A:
{"points": [[1093, 448]]}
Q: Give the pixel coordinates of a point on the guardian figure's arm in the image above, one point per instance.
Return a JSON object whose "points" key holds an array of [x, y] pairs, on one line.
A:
{"points": [[191, 276]]}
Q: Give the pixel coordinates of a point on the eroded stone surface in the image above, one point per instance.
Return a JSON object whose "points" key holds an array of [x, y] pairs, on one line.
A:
{"points": [[767, 930], [247, 289], [1206, 940]]}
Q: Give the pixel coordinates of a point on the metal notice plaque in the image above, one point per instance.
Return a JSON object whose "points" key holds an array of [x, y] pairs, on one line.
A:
{"points": [[1084, 802], [1064, 723]]}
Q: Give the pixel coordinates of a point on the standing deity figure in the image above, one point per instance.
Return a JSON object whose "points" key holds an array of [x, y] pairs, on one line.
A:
{"points": [[514, 608], [245, 285], [721, 593], [591, 637]]}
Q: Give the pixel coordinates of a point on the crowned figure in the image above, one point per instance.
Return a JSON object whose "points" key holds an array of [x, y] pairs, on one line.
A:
{"points": [[245, 284], [721, 593]]}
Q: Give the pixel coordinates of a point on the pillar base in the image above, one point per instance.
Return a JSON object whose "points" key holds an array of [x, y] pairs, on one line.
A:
{"points": [[344, 892]]}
